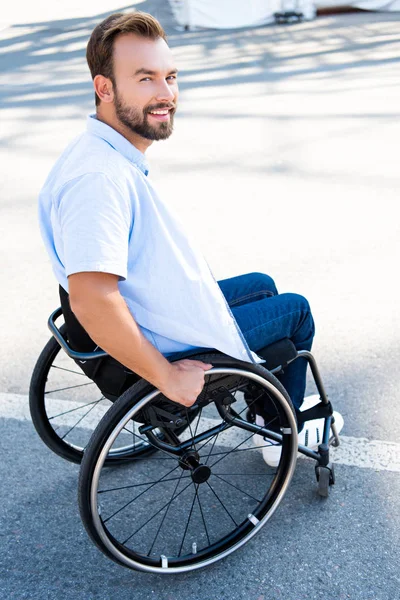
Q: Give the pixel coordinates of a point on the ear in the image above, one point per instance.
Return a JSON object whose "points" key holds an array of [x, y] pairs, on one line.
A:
{"points": [[104, 88]]}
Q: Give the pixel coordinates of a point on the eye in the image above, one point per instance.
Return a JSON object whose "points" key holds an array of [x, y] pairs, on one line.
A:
{"points": [[172, 77], [145, 79]]}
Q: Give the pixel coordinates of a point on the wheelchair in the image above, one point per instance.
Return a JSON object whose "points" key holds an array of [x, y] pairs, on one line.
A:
{"points": [[169, 489]]}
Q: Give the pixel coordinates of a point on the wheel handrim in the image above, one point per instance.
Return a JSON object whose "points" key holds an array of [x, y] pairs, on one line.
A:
{"points": [[244, 528]]}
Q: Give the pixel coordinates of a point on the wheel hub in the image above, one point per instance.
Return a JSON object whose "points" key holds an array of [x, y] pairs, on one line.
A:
{"points": [[201, 473], [190, 461]]}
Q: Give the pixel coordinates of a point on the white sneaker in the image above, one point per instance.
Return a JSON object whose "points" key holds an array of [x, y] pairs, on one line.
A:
{"points": [[310, 436]]}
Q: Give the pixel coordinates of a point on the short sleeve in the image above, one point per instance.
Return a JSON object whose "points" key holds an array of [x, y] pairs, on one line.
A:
{"points": [[95, 218]]}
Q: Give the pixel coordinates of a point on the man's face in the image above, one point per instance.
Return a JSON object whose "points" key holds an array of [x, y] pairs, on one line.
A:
{"points": [[146, 89]]}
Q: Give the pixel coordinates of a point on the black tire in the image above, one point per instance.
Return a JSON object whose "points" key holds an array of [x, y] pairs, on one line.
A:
{"points": [[323, 482], [325, 478], [105, 494], [67, 432]]}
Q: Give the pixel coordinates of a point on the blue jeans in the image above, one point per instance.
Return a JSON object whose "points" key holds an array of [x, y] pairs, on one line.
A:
{"points": [[264, 317]]}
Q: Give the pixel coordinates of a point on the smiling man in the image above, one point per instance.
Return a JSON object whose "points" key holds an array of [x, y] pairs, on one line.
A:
{"points": [[137, 285], [142, 106]]}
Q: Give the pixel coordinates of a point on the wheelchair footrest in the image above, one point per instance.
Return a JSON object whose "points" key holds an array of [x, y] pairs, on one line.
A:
{"points": [[319, 411]]}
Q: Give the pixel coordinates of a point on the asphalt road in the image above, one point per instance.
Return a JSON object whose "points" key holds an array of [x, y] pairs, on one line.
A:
{"points": [[284, 160]]}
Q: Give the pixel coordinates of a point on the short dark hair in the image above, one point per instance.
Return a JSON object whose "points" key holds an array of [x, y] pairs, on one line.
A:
{"points": [[99, 51]]}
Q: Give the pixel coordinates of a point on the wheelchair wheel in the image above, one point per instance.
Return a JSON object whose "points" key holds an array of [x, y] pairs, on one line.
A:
{"points": [[206, 491], [66, 407]]}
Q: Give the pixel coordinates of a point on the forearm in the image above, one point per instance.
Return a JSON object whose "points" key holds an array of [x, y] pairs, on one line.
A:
{"points": [[107, 320]]}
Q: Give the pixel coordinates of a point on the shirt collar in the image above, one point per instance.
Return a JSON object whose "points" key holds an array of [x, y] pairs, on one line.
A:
{"points": [[118, 142]]}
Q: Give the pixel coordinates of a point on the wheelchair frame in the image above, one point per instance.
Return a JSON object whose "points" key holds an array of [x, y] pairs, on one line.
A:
{"points": [[161, 428]]}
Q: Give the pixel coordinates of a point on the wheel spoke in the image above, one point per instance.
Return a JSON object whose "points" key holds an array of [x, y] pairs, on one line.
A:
{"points": [[188, 521], [81, 419], [237, 488], [198, 420], [190, 429], [202, 515], [71, 387], [130, 431], [141, 494], [166, 512], [76, 408], [240, 444], [233, 449], [150, 444], [212, 447], [155, 514], [212, 437], [68, 370], [135, 485], [222, 504], [152, 458]]}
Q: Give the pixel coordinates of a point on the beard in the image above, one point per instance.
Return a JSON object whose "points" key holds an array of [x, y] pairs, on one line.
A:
{"points": [[137, 120]]}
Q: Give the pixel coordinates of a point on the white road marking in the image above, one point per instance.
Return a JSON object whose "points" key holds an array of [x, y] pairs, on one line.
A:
{"points": [[16, 406], [368, 454], [353, 452]]}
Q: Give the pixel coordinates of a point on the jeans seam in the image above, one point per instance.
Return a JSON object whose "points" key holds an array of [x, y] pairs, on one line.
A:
{"points": [[251, 295]]}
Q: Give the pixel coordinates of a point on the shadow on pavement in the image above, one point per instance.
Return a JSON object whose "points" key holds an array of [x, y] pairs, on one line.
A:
{"points": [[45, 62]]}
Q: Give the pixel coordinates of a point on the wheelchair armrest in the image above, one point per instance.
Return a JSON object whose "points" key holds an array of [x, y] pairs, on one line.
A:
{"points": [[63, 343]]}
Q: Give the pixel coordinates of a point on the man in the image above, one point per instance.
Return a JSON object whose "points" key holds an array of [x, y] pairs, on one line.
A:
{"points": [[136, 284]]}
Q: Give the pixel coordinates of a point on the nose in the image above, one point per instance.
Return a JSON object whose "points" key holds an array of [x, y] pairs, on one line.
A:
{"points": [[165, 92]]}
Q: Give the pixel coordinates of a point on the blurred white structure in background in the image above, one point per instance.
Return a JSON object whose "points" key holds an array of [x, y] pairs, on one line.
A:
{"points": [[232, 14]]}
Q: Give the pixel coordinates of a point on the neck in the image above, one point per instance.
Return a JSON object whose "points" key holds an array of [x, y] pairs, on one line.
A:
{"points": [[136, 140]]}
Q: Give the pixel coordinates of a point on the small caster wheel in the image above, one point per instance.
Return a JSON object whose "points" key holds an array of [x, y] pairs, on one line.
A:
{"points": [[325, 477]]}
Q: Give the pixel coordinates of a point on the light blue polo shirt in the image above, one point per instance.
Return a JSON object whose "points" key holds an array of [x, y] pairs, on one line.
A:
{"points": [[99, 211]]}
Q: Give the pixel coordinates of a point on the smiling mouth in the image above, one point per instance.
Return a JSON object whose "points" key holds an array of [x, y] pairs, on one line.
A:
{"points": [[160, 114]]}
